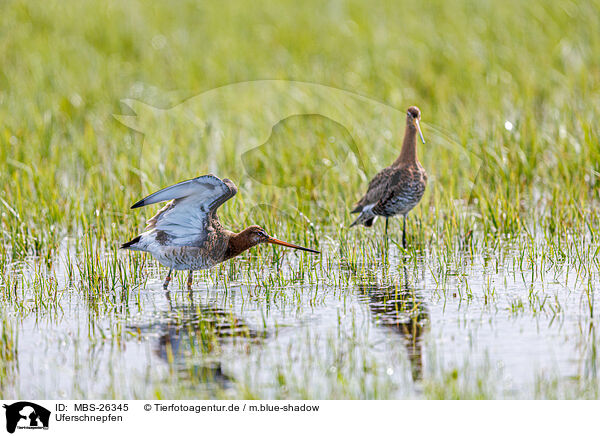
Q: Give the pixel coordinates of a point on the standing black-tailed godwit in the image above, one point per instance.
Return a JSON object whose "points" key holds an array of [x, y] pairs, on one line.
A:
{"points": [[186, 233], [399, 187]]}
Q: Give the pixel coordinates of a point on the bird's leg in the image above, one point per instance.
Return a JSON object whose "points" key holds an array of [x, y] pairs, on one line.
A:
{"points": [[167, 280], [190, 280], [385, 237], [404, 233]]}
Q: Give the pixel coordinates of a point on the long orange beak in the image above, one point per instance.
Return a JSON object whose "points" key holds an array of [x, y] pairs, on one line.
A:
{"points": [[419, 130], [272, 240]]}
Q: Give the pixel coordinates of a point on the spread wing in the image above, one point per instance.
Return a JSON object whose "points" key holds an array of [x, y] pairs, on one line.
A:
{"points": [[185, 219]]}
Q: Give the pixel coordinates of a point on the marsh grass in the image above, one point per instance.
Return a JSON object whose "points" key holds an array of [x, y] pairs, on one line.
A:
{"points": [[8, 355], [508, 228]]}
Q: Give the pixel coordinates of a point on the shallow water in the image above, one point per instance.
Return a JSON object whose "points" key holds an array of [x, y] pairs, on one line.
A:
{"points": [[400, 328]]}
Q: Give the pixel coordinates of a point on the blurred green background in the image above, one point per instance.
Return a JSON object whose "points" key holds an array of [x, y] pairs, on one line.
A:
{"points": [[67, 165]]}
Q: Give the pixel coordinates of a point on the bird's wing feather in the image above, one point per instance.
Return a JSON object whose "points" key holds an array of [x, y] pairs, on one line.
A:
{"points": [[397, 186], [375, 191], [194, 203]]}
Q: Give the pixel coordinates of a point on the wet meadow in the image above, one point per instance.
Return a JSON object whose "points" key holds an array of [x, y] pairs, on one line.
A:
{"points": [[495, 296]]}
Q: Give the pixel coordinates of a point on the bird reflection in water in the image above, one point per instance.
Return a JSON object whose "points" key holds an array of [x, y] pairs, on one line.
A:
{"points": [[401, 309], [190, 336]]}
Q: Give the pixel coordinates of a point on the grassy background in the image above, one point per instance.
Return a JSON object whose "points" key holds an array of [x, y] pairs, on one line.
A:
{"points": [[470, 66], [69, 168]]}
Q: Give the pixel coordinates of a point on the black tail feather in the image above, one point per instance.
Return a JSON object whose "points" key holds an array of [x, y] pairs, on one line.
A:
{"points": [[132, 242], [367, 223]]}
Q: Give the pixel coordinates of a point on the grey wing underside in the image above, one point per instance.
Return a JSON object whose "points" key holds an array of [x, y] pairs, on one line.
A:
{"points": [[188, 217]]}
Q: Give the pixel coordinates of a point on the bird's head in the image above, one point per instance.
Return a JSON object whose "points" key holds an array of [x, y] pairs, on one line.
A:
{"points": [[257, 235], [413, 117]]}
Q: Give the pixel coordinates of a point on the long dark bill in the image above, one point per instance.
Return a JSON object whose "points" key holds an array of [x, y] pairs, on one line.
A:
{"points": [[272, 240]]}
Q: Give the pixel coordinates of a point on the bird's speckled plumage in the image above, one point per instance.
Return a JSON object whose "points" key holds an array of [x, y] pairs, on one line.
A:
{"points": [[397, 189]]}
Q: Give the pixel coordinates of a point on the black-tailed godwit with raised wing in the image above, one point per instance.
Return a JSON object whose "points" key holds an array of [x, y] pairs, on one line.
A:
{"points": [[186, 233], [399, 187]]}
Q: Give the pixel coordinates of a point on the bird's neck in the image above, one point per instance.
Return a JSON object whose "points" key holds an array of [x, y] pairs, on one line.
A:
{"points": [[238, 243], [408, 154]]}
